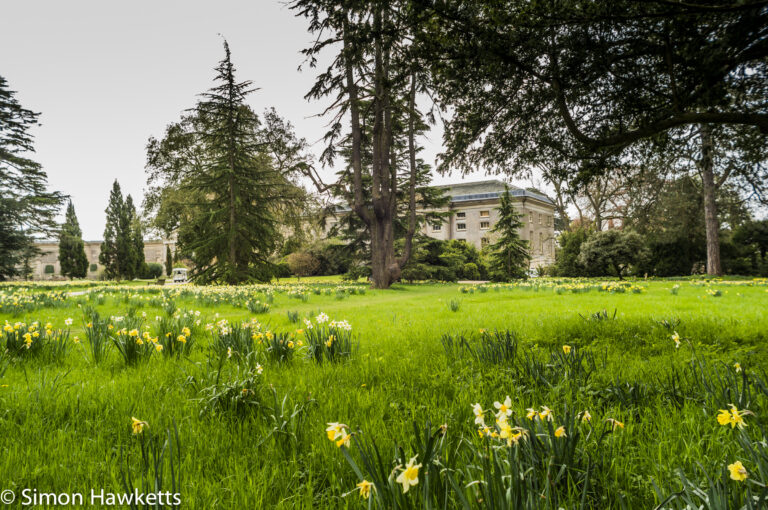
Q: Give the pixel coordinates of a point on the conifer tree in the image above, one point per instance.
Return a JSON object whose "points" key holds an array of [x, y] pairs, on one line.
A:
{"points": [[509, 253], [133, 238], [218, 160], [168, 261], [27, 209], [110, 256], [72, 259]]}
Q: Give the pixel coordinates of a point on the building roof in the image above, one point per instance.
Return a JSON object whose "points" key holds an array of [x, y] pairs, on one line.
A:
{"points": [[483, 190]]}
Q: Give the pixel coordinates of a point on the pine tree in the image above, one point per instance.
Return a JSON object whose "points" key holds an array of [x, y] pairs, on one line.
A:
{"points": [[509, 253], [110, 254], [27, 210], [168, 261], [72, 258], [235, 191]]}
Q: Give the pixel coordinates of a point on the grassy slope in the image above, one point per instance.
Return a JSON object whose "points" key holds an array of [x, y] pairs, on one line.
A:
{"points": [[62, 426]]}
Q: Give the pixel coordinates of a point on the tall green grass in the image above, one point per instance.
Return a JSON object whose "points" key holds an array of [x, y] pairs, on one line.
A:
{"points": [[417, 366]]}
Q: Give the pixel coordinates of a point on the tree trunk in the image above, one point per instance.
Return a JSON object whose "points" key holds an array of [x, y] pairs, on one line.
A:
{"points": [[385, 269], [710, 207]]}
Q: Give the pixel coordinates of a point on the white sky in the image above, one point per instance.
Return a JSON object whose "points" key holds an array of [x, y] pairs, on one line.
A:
{"points": [[106, 76]]}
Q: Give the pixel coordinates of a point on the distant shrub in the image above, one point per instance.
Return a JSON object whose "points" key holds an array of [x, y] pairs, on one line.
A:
{"points": [[470, 271], [151, 271]]}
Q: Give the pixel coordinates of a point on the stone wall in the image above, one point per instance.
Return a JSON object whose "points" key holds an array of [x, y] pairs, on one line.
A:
{"points": [[46, 265]]}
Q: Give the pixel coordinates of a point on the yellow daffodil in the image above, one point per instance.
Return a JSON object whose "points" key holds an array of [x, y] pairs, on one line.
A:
{"points": [[585, 416], [505, 409], [676, 339], [567, 349], [560, 432], [365, 489], [738, 471], [158, 347], [734, 417], [409, 476], [229, 352], [76, 340], [478, 410], [133, 332], [531, 414], [335, 430], [138, 425], [185, 331], [737, 367], [546, 414], [615, 423], [182, 339], [344, 439]]}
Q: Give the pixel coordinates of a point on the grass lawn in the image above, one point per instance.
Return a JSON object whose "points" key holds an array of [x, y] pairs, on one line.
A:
{"points": [[252, 426]]}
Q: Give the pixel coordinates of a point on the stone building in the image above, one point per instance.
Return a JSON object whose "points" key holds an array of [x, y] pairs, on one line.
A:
{"points": [[46, 265], [473, 211]]}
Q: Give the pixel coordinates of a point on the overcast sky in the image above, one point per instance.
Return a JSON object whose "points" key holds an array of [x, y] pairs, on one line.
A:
{"points": [[106, 76]]}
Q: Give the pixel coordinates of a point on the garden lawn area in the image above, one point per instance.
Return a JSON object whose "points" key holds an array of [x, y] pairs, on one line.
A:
{"points": [[245, 416]]}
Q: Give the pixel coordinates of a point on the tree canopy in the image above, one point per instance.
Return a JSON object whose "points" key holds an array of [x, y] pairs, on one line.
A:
{"points": [[224, 183], [27, 208]]}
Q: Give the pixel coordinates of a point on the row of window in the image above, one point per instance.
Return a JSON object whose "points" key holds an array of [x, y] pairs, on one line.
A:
{"points": [[462, 214], [461, 226]]}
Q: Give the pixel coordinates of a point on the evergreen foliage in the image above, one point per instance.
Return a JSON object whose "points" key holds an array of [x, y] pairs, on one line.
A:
{"points": [[122, 251], [509, 256], [168, 261], [72, 258], [27, 209], [224, 183]]}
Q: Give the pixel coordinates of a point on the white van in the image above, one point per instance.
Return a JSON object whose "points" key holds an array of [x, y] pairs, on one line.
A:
{"points": [[179, 275]]}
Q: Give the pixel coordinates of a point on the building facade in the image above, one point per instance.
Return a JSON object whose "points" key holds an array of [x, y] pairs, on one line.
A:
{"points": [[473, 211], [46, 265]]}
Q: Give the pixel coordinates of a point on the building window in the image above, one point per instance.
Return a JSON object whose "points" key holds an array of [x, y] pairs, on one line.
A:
{"points": [[541, 243], [530, 218], [485, 225], [539, 218], [461, 215], [485, 214], [461, 227], [437, 227]]}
